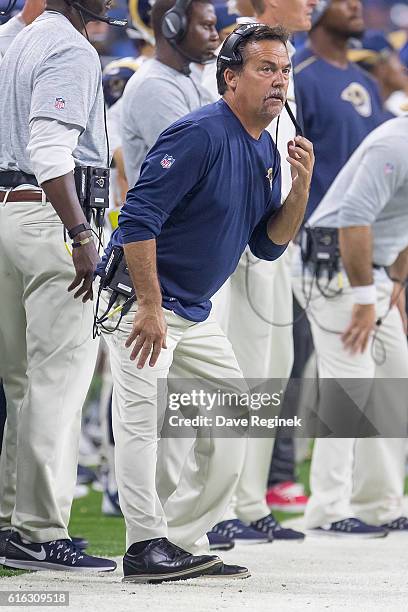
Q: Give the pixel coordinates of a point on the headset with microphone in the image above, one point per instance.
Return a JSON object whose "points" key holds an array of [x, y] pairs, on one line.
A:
{"points": [[174, 28], [119, 23], [229, 53]]}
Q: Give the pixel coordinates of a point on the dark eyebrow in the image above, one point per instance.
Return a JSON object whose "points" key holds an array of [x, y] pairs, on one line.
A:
{"points": [[275, 65]]}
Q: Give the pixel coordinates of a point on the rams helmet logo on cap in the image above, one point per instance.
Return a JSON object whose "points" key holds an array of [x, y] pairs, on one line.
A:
{"points": [[139, 11], [359, 97], [115, 76]]}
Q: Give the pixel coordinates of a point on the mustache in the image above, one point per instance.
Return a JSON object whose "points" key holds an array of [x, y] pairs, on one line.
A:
{"points": [[276, 93]]}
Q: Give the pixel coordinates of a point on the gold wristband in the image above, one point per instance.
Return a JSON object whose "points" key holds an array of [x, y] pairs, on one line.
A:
{"points": [[82, 242]]}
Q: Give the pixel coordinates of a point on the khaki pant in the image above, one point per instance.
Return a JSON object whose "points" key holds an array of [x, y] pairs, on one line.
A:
{"points": [[194, 490], [47, 358], [355, 477], [263, 351]]}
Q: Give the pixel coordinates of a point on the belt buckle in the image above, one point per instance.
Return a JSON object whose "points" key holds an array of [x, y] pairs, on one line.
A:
{"points": [[6, 195]]}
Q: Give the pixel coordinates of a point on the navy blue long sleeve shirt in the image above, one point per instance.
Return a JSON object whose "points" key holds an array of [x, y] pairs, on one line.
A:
{"points": [[205, 191]]}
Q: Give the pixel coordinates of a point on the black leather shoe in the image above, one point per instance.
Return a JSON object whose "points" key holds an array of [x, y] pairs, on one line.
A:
{"points": [[4, 537], [229, 571], [163, 561]]}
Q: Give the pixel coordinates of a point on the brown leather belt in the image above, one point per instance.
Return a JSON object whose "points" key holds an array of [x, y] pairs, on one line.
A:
{"points": [[22, 195]]}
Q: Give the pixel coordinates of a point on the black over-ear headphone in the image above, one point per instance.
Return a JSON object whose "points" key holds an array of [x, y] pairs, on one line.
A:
{"points": [[174, 28], [229, 53], [174, 23]]}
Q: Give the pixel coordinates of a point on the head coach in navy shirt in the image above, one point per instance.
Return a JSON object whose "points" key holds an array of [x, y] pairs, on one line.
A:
{"points": [[209, 186]]}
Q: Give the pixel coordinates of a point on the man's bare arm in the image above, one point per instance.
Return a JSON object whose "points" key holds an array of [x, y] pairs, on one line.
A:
{"points": [[356, 250], [121, 175], [399, 269], [61, 192], [149, 326], [141, 261]]}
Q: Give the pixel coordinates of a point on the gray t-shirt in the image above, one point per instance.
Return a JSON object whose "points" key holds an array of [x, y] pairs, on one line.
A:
{"points": [[8, 31], [154, 98], [372, 189], [50, 70]]}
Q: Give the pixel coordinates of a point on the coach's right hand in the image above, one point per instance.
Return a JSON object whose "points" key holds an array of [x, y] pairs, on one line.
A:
{"points": [[357, 335], [149, 332], [85, 260]]}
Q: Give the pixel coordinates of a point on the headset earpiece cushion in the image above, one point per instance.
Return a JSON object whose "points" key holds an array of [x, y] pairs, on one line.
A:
{"points": [[174, 25]]}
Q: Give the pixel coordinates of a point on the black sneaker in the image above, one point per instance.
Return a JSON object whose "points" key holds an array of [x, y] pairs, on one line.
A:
{"points": [[218, 541], [399, 524], [269, 526], [240, 533], [4, 537], [350, 528], [60, 555], [236, 572], [163, 561], [81, 543]]}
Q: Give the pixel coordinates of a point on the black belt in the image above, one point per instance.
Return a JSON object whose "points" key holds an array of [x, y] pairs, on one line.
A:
{"points": [[13, 179]]}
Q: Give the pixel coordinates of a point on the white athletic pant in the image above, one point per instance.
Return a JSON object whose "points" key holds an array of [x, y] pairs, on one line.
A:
{"points": [[262, 350], [107, 446], [350, 477], [47, 358], [195, 499]]}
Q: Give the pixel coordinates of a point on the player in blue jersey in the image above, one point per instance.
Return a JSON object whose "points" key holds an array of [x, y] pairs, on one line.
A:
{"points": [[338, 102], [209, 186]]}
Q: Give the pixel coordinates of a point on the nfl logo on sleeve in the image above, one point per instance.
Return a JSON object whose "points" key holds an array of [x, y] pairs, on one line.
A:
{"points": [[167, 161], [59, 103]]}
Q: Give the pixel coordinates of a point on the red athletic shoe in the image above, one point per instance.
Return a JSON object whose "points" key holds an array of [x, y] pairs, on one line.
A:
{"points": [[287, 497]]}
